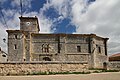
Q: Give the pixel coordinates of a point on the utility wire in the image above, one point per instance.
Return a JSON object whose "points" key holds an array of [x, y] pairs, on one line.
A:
{"points": [[29, 9], [5, 23]]}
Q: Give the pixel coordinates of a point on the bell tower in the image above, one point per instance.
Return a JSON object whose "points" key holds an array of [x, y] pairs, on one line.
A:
{"points": [[29, 24]]}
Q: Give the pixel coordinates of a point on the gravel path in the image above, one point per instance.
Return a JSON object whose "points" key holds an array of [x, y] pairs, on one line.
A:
{"points": [[94, 76]]}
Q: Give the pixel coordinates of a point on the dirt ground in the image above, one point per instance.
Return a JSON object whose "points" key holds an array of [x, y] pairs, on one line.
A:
{"points": [[93, 76]]}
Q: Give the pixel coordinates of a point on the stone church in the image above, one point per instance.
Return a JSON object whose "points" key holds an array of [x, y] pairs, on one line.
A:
{"points": [[27, 44]]}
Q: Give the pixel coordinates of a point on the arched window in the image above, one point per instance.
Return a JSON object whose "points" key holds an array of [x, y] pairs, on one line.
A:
{"points": [[45, 48], [105, 65]]}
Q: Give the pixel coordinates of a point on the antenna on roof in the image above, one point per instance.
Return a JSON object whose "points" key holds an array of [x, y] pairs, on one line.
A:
{"points": [[21, 7], [5, 23]]}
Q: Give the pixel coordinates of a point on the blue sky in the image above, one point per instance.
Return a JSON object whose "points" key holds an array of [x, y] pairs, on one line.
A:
{"points": [[66, 16], [28, 6]]}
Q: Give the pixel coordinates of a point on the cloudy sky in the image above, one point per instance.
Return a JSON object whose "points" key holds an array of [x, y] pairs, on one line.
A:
{"points": [[101, 17]]}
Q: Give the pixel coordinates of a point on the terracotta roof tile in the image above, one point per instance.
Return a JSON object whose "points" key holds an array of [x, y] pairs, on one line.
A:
{"points": [[115, 55]]}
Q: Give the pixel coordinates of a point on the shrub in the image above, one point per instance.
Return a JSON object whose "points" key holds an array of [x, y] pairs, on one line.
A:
{"points": [[110, 70], [54, 73]]}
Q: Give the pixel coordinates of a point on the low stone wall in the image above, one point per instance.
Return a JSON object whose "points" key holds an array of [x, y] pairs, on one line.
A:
{"points": [[17, 68], [114, 65]]}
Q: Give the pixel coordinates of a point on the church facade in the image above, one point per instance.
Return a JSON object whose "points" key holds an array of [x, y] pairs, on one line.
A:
{"points": [[27, 44]]}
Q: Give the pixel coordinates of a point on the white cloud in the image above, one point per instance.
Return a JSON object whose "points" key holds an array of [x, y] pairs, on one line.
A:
{"points": [[61, 6], [101, 17], [12, 23], [114, 47], [12, 18], [3, 35], [2, 1], [25, 3], [45, 25]]}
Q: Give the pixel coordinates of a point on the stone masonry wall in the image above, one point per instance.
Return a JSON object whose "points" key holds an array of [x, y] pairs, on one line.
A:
{"points": [[13, 68], [15, 46], [114, 65], [99, 55], [61, 47]]}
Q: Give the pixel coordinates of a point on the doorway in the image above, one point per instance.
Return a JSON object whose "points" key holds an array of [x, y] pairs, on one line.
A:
{"points": [[105, 65], [46, 59]]}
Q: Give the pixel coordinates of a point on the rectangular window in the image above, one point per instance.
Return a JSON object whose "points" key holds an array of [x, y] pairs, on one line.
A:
{"points": [[15, 46], [78, 48], [99, 49], [15, 36]]}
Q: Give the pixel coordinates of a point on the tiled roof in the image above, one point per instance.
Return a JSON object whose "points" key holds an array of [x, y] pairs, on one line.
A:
{"points": [[114, 57]]}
